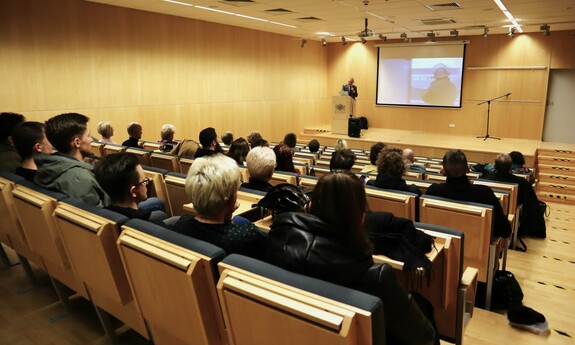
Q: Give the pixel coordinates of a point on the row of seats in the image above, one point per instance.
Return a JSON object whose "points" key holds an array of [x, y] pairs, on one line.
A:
{"points": [[188, 291]]}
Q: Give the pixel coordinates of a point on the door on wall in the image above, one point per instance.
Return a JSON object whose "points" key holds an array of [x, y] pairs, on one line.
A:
{"points": [[560, 109]]}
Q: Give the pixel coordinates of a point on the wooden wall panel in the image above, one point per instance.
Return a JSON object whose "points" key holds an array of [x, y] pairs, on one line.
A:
{"points": [[122, 65]]}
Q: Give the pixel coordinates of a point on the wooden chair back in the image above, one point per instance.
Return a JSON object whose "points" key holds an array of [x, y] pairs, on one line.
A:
{"points": [[143, 155], [36, 213], [110, 149], [260, 301], [185, 164], [281, 177], [157, 186], [151, 146], [165, 161], [97, 149], [176, 192], [89, 235], [173, 278], [401, 204]]}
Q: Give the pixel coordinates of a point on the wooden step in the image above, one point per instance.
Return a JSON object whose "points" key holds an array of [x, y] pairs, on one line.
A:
{"points": [[556, 178], [556, 153], [555, 169], [555, 188], [558, 161], [556, 197]]}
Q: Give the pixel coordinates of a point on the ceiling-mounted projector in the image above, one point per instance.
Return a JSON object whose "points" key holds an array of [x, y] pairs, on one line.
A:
{"points": [[366, 32]]}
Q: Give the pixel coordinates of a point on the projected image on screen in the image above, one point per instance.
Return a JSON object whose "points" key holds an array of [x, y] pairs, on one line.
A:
{"points": [[420, 75]]}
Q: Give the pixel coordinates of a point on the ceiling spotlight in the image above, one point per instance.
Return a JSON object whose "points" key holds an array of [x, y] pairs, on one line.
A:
{"points": [[404, 36], [363, 40], [323, 42], [303, 42], [343, 42], [383, 38], [454, 32], [545, 28], [511, 33], [431, 36], [485, 32]]}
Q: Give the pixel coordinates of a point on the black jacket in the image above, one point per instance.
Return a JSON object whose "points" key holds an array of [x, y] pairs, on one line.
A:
{"points": [[395, 183], [302, 243]]}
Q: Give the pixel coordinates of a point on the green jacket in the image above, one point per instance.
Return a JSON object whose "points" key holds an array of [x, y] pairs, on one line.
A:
{"points": [[70, 176]]}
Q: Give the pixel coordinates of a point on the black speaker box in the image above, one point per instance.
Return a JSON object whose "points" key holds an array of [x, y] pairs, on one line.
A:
{"points": [[354, 127]]}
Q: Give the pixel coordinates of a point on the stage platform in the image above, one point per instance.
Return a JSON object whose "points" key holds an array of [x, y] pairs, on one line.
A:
{"points": [[434, 144]]}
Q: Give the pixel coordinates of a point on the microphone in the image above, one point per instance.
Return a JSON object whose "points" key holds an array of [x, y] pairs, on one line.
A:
{"points": [[507, 95]]}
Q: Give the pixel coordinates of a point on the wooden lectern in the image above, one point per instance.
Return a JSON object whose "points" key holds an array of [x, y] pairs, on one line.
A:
{"points": [[341, 109]]}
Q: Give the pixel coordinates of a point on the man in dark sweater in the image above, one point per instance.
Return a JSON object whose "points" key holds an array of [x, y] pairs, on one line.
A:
{"points": [[209, 141], [458, 187]]}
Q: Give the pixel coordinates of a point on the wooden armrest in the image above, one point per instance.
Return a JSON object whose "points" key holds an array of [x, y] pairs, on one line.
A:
{"points": [[469, 277]]}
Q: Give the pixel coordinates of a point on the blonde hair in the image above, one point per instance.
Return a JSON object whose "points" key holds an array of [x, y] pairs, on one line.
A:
{"points": [[340, 144], [105, 129], [211, 183], [261, 161]]}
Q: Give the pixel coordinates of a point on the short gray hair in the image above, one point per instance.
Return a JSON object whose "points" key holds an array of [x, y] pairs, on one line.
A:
{"points": [[167, 130], [261, 161], [211, 182], [105, 128]]}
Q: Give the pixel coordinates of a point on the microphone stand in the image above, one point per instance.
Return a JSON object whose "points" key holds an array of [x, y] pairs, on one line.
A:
{"points": [[487, 136]]}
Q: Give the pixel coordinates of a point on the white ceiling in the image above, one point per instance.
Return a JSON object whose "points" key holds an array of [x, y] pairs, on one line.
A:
{"points": [[337, 18]]}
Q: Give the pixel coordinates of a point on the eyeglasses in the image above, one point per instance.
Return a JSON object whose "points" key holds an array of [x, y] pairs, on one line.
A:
{"points": [[144, 182]]}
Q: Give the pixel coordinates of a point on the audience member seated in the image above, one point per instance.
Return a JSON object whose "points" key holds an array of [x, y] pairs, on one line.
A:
{"points": [[373, 154], [458, 187], [106, 130], [135, 133], [331, 244], [64, 171], [186, 148], [261, 163], [290, 140], [30, 139], [228, 138], [167, 137], [390, 168], [209, 141], [518, 162], [343, 159], [261, 142], [284, 158], [503, 164], [340, 144], [9, 158], [122, 177], [253, 138], [212, 185], [239, 150], [409, 159], [313, 146]]}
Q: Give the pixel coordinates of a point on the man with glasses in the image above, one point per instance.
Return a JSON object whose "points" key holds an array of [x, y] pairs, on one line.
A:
{"points": [[123, 178]]}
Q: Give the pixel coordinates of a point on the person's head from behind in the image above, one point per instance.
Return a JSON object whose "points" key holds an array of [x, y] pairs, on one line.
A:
{"points": [[209, 138], [30, 139], [455, 163], [260, 142], [212, 185], [105, 129], [69, 133], [284, 158], [440, 71], [261, 163], [517, 159], [290, 140], [135, 130], [343, 159], [254, 137], [503, 163], [313, 145], [340, 144], [239, 150], [228, 138], [122, 178], [374, 152], [167, 132], [7, 122], [390, 163], [408, 156], [339, 200]]}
